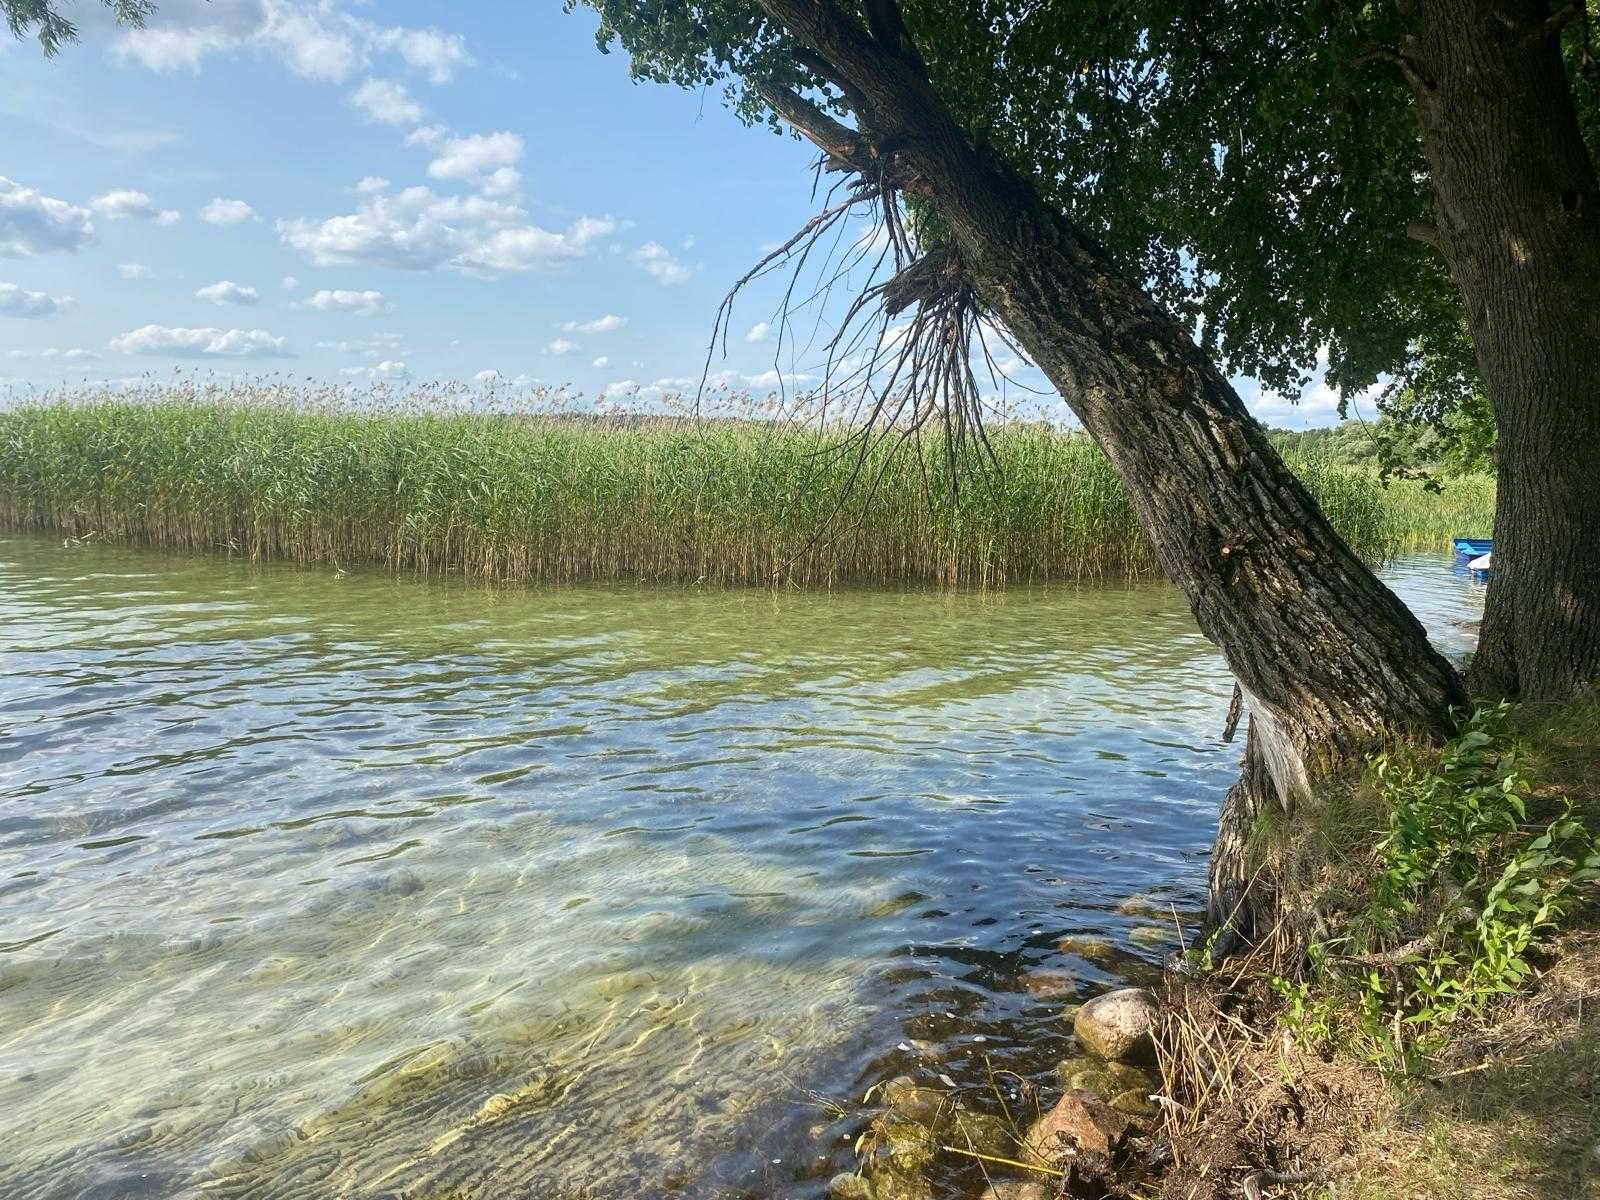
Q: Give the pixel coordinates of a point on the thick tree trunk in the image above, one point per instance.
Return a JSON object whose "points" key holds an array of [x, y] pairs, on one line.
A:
{"points": [[1330, 661], [1518, 216]]}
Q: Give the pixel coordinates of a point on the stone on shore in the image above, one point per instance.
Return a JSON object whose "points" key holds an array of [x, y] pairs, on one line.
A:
{"points": [[1079, 1119], [1119, 1025]]}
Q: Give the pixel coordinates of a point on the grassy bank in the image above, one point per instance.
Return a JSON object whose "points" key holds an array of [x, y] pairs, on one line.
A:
{"points": [[1425, 1021], [558, 497]]}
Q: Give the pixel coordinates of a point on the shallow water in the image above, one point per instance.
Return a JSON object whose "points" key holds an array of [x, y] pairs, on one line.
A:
{"points": [[318, 885]]}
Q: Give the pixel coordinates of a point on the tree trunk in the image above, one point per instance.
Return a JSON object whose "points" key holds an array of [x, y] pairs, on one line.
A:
{"points": [[1331, 663], [1518, 217]]}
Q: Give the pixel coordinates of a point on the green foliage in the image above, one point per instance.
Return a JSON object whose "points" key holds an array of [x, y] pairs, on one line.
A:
{"points": [[553, 496], [1464, 891], [43, 19]]}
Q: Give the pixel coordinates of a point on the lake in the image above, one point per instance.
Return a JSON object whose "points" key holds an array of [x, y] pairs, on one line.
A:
{"points": [[318, 884]]}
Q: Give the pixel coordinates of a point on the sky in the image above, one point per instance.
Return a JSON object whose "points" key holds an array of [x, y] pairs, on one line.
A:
{"points": [[390, 192]]}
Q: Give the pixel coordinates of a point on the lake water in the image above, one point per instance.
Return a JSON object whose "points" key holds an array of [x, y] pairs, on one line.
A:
{"points": [[319, 885]]}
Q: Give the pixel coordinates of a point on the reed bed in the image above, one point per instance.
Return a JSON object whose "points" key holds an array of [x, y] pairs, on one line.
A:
{"points": [[539, 493]]}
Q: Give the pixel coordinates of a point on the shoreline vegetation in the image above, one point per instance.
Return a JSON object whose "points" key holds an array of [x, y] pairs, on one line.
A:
{"points": [[1421, 1022], [536, 491]]}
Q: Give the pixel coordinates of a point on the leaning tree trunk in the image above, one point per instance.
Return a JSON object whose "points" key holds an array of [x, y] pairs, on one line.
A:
{"points": [[1518, 218], [1331, 663]]}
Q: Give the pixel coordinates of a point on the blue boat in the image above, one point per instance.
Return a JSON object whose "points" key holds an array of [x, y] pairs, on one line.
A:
{"points": [[1470, 548]]}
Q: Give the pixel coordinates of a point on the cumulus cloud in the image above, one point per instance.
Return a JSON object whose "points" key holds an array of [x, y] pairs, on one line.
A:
{"points": [[14, 302], [176, 342], [125, 203], [609, 323], [601, 363], [364, 304], [290, 283], [772, 379], [222, 211], [33, 223], [387, 369], [386, 102], [486, 160], [316, 40], [489, 376], [370, 184], [437, 55], [225, 291], [133, 270], [761, 331], [657, 259], [620, 387], [419, 230], [561, 346]]}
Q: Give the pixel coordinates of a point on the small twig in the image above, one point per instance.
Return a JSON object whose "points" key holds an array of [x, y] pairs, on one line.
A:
{"points": [[1009, 1162]]}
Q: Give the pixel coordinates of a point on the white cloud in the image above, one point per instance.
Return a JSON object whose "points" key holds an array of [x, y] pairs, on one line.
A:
{"points": [[226, 212], [621, 387], [125, 202], [485, 159], [609, 323], [435, 54], [370, 184], [290, 283], [225, 291], [133, 270], [761, 331], [602, 362], [503, 181], [657, 259], [364, 304], [200, 343], [386, 102], [33, 223], [419, 230], [315, 39], [489, 376], [427, 136], [561, 346], [14, 302], [309, 45], [387, 369], [772, 379]]}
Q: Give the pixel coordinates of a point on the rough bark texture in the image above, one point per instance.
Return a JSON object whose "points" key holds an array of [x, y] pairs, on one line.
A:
{"points": [[1330, 661], [1518, 218]]}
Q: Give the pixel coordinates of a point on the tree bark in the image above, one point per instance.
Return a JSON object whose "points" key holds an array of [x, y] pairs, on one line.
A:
{"points": [[1518, 218], [1331, 663]]}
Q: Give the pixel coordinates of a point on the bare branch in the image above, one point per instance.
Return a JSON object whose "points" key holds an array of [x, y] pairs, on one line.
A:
{"points": [[843, 146]]}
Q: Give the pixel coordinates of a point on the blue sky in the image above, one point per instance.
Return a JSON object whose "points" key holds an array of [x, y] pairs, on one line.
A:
{"points": [[384, 191]]}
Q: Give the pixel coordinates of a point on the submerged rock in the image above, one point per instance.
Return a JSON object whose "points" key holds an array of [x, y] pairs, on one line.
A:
{"points": [[1081, 1120], [1119, 1025], [849, 1186], [910, 1101], [1135, 1102], [1094, 1079], [1015, 1189], [984, 1133], [1091, 949], [1152, 936]]}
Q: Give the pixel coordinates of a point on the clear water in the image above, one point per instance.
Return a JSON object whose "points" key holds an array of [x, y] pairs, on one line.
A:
{"points": [[318, 885]]}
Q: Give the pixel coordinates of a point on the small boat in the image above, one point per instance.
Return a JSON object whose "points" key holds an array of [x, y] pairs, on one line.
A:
{"points": [[1481, 566], [1470, 548]]}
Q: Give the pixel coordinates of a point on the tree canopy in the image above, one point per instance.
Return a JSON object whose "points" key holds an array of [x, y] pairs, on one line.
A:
{"points": [[43, 19], [1255, 165]]}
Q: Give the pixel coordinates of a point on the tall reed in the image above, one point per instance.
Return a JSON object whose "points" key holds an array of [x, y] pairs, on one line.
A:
{"points": [[551, 496]]}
